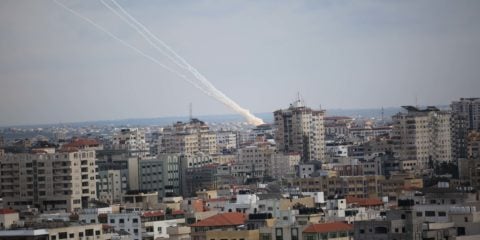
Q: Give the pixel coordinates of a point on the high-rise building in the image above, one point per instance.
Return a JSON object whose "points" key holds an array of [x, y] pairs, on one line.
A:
{"points": [[301, 130], [188, 138], [423, 135], [59, 180], [465, 118], [131, 140], [470, 109]]}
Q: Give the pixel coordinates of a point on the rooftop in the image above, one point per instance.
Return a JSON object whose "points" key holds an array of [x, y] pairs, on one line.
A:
{"points": [[328, 227], [223, 219]]}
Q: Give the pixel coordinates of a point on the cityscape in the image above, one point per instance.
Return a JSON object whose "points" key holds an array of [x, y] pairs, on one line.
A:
{"points": [[211, 159]]}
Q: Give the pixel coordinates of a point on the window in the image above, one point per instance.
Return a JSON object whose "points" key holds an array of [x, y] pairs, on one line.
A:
{"points": [[135, 220], [294, 233], [121, 220], [112, 220], [89, 232], [419, 214], [97, 233], [442, 214], [71, 235], [62, 235], [279, 234], [429, 213]]}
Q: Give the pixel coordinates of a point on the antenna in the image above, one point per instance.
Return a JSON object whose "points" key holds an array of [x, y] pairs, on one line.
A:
{"points": [[416, 101], [190, 110]]}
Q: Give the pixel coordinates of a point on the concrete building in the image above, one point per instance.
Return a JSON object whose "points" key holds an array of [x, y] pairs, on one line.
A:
{"points": [[61, 180], [227, 141], [470, 109], [188, 138], [258, 157], [333, 230], [111, 185], [422, 135], [282, 165], [161, 174], [129, 222], [56, 231], [301, 130], [8, 218], [131, 140], [226, 222]]}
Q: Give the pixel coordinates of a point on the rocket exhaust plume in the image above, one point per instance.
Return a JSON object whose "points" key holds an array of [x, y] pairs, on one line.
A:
{"points": [[199, 81]]}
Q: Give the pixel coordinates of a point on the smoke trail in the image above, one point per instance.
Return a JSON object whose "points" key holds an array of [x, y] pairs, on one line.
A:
{"points": [[181, 62], [154, 60]]}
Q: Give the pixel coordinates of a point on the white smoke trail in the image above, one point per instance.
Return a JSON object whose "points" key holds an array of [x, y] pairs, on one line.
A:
{"points": [[181, 62], [154, 60]]}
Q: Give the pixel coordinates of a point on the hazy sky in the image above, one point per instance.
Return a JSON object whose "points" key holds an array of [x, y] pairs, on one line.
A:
{"points": [[54, 67]]}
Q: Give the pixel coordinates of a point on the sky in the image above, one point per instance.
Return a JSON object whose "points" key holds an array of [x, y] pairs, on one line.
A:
{"points": [[55, 67]]}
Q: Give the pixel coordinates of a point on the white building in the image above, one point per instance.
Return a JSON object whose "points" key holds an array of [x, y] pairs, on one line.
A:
{"points": [[128, 222]]}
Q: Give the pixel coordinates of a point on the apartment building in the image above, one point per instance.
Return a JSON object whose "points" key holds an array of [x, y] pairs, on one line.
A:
{"points": [[300, 130], [131, 140], [423, 135], [258, 157], [111, 185], [470, 109], [188, 138], [65, 179]]}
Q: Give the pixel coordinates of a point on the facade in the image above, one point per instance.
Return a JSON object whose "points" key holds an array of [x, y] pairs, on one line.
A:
{"points": [[301, 130], [333, 230], [161, 174], [76, 231], [470, 109], [62, 180], [422, 135], [188, 138], [258, 157], [226, 140], [111, 185], [127, 222], [8, 218], [282, 165], [131, 140]]}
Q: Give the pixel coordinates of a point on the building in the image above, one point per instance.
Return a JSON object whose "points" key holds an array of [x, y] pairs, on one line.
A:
{"points": [[229, 221], [333, 230], [8, 218], [282, 165], [128, 222], [48, 181], [227, 141], [258, 157], [300, 130], [111, 185], [469, 108], [131, 140], [188, 138], [44, 231], [422, 135]]}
